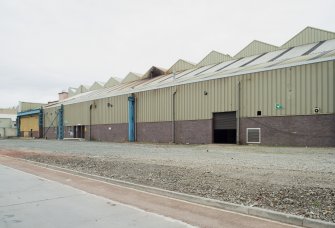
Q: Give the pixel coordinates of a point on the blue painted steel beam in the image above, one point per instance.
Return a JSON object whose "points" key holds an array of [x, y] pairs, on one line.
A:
{"points": [[131, 119], [40, 123], [60, 128], [18, 126], [30, 112]]}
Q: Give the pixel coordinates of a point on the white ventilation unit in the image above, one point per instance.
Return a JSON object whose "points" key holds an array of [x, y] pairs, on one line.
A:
{"points": [[253, 135]]}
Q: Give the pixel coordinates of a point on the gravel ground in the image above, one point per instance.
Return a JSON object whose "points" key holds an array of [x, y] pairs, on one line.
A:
{"points": [[298, 181]]}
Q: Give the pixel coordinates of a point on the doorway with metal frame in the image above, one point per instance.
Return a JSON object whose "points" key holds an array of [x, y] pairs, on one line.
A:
{"points": [[224, 127]]}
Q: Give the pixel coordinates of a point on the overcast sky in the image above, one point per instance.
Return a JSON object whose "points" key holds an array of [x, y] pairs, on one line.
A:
{"points": [[47, 46]]}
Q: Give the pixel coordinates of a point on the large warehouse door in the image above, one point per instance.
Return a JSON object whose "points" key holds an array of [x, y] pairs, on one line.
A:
{"points": [[29, 126], [224, 127]]}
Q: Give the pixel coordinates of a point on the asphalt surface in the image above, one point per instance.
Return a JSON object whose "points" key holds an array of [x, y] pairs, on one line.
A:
{"points": [[30, 201], [293, 180], [87, 211]]}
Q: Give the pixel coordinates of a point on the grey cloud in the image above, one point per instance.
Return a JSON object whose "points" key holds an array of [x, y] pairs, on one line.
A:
{"points": [[47, 46]]}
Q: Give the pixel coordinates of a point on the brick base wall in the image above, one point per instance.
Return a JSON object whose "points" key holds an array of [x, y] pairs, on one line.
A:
{"points": [[194, 131], [50, 133], [160, 132], [34, 134], [108, 132], [313, 130], [190, 131]]}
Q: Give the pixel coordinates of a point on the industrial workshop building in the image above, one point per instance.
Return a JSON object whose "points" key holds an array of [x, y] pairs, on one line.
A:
{"points": [[264, 94], [29, 121]]}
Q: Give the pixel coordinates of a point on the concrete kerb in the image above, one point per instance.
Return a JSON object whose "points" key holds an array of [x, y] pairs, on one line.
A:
{"points": [[316, 223], [257, 212]]}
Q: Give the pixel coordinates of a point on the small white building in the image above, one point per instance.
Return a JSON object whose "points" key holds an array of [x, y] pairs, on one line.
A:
{"points": [[7, 125]]}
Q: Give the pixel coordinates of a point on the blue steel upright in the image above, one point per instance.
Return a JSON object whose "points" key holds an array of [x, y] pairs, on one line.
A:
{"points": [[60, 128], [131, 119], [18, 126], [40, 123]]}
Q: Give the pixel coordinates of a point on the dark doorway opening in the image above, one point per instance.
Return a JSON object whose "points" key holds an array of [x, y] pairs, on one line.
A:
{"points": [[79, 132], [225, 136], [224, 126]]}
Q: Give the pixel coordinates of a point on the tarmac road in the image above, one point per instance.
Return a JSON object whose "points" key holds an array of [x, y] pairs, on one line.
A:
{"points": [[29, 201], [47, 200]]}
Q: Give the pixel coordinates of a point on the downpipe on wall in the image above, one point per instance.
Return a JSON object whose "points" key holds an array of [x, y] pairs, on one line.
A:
{"points": [[93, 105], [135, 118], [174, 115], [238, 112], [90, 136]]}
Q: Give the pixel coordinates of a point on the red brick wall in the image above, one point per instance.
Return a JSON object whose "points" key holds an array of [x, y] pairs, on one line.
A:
{"points": [[194, 131], [158, 132], [108, 132], [51, 133], [312, 130]]}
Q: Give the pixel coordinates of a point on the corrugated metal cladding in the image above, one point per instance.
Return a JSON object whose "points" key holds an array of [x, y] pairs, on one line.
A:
{"points": [[50, 117], [296, 89], [214, 57], [114, 112], [25, 106], [180, 65], [254, 48], [309, 35], [192, 103], [131, 77], [111, 82], [77, 114], [96, 85], [104, 111], [154, 105]]}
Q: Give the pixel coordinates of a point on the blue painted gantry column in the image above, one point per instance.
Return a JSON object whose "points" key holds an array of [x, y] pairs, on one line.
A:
{"points": [[40, 123], [60, 127], [131, 118], [18, 126]]}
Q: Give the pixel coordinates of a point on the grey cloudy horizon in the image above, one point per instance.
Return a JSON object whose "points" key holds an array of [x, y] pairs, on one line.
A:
{"points": [[47, 46]]}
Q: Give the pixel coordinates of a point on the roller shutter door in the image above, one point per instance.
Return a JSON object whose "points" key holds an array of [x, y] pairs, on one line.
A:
{"points": [[224, 120]]}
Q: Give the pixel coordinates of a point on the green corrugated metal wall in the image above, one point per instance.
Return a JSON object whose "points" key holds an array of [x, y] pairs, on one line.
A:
{"points": [[299, 89]]}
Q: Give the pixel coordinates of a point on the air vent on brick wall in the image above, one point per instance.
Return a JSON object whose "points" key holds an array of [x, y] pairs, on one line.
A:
{"points": [[253, 135]]}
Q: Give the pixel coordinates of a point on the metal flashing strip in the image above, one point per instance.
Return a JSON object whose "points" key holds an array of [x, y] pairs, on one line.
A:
{"points": [[313, 48], [229, 64], [281, 54], [321, 54], [182, 75], [254, 59], [207, 69], [192, 73], [277, 63]]}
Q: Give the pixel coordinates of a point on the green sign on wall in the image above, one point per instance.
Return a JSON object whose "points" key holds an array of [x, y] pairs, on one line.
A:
{"points": [[279, 106]]}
